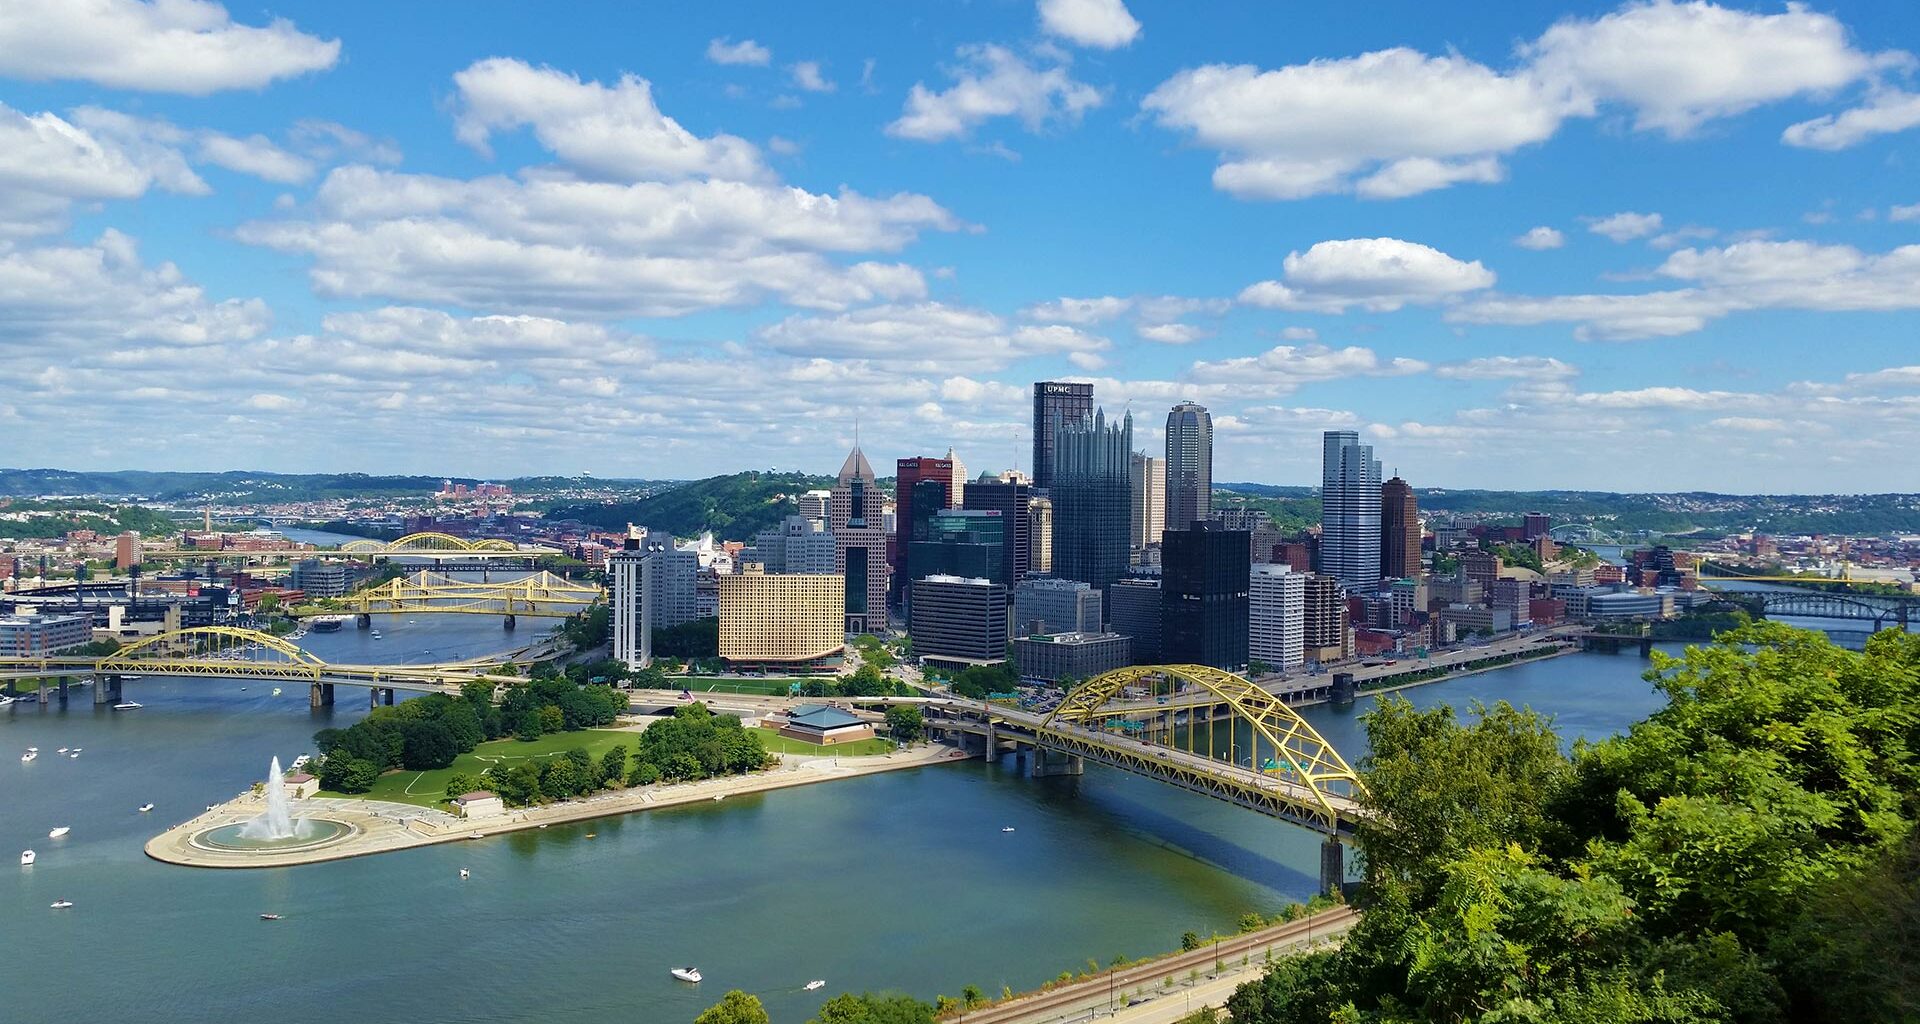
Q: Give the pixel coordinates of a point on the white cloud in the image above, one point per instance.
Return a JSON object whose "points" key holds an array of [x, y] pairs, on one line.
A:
{"points": [[48, 163], [1541, 238], [925, 335], [1885, 112], [1533, 368], [1375, 274], [180, 46], [1748, 275], [1286, 367], [1105, 24], [100, 296], [1625, 227], [256, 155], [614, 132], [330, 141], [807, 75], [1749, 424], [1900, 213], [1299, 333], [782, 145], [1388, 123], [1678, 65], [1171, 333], [271, 403], [746, 51], [1079, 311], [554, 246], [991, 82]]}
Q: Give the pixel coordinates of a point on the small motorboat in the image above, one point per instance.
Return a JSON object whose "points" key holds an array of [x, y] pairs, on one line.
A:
{"points": [[717, 797], [816, 983], [269, 917], [590, 835], [464, 873], [29, 755], [243, 689], [1009, 828], [26, 858], [144, 808], [62, 750], [127, 705], [74, 754], [543, 826], [691, 974], [276, 691], [58, 832], [62, 904], [75, 750], [477, 835]]}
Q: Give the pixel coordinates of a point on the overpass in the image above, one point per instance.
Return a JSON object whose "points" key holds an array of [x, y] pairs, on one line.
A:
{"points": [[229, 652]]}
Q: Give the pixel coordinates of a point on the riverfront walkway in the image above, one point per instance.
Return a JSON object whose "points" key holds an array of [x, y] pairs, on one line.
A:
{"points": [[1164, 990], [382, 827]]}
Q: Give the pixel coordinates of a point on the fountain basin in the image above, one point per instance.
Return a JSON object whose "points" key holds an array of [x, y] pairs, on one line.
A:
{"points": [[309, 833]]}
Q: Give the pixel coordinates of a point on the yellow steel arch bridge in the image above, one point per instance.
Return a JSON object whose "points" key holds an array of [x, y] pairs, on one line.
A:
{"points": [[427, 543], [229, 652], [541, 594], [1201, 729]]}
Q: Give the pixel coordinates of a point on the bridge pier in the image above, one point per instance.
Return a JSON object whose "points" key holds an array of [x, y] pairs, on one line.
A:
{"points": [[1333, 866], [320, 695], [509, 623], [1343, 689], [363, 620], [106, 690], [1049, 763], [379, 695]]}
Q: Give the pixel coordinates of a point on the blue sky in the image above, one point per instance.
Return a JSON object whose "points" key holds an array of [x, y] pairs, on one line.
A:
{"points": [[1648, 245]]}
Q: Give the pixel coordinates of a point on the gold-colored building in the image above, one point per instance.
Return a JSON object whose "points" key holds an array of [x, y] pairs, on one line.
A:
{"points": [[782, 619]]}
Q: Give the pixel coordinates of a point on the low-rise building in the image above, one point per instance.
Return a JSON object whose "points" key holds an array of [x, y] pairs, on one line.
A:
{"points": [[1468, 619], [824, 725], [321, 579], [789, 621], [1047, 604], [478, 804], [959, 620], [30, 636], [1050, 658], [300, 786]]}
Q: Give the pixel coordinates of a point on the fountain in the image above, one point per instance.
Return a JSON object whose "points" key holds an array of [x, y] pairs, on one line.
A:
{"points": [[274, 830], [277, 821]]}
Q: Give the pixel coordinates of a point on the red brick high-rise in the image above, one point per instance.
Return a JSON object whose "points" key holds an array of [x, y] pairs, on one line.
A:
{"points": [[1399, 530]]}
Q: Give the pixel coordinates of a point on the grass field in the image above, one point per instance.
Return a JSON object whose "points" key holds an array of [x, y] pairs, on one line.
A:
{"points": [[779, 744], [429, 789]]}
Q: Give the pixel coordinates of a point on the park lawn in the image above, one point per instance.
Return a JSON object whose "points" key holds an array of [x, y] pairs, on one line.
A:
{"points": [[779, 744], [429, 788]]}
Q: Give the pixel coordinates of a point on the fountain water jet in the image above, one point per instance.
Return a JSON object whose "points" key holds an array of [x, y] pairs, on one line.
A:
{"points": [[277, 821]]}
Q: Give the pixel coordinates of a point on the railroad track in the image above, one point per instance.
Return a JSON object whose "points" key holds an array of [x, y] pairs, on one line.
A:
{"points": [[1051, 1004]]}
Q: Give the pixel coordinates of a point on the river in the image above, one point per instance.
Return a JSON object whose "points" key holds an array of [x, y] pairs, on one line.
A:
{"points": [[896, 881]]}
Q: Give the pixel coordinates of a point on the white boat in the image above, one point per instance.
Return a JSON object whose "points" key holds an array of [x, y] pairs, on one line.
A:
{"points": [[478, 835], [127, 705], [1009, 828], [464, 873], [375, 635], [58, 832], [269, 917], [686, 974], [5, 700], [74, 754], [144, 808], [816, 983], [26, 858], [76, 750], [276, 691], [62, 904], [29, 755], [62, 750]]}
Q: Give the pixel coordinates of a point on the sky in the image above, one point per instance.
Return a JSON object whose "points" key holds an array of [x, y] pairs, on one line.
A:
{"points": [[1639, 246]]}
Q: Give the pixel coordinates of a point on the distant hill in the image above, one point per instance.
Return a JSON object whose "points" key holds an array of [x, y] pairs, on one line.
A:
{"points": [[732, 507], [245, 485]]}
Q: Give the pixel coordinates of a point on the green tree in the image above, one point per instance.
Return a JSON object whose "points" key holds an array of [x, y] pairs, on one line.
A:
{"points": [[736, 1007], [873, 1009], [460, 783], [360, 776], [559, 779], [905, 722], [428, 745], [613, 766], [644, 773], [531, 725]]}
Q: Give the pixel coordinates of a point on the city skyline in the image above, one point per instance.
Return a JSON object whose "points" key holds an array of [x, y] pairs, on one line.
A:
{"points": [[721, 239]]}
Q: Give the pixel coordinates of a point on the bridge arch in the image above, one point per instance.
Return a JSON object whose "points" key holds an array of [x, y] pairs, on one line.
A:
{"points": [[204, 641], [427, 542], [1330, 783]]}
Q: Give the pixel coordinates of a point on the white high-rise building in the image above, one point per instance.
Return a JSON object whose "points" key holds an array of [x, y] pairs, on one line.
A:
{"points": [[1277, 616], [629, 612], [1350, 511], [1149, 500]]}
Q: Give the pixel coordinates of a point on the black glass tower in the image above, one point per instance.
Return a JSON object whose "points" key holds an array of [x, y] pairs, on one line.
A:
{"points": [[1205, 579], [1092, 500], [1055, 403]]}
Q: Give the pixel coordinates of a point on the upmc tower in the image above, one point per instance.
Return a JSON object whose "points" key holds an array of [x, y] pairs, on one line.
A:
{"points": [[1054, 403]]}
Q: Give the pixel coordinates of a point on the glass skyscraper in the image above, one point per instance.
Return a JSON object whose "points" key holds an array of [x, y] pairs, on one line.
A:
{"points": [[1055, 403], [1189, 465], [1349, 511], [1092, 499]]}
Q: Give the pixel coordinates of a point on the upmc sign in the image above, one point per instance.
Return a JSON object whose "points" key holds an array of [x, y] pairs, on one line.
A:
{"points": [[1059, 389]]}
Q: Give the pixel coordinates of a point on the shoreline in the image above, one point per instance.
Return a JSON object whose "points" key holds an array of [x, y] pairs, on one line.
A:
{"points": [[384, 827], [1560, 652]]}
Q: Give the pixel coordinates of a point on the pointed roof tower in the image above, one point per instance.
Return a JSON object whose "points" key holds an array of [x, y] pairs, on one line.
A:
{"points": [[856, 466]]}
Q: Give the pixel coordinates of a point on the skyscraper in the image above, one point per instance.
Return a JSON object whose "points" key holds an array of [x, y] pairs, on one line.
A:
{"points": [[1055, 403], [1149, 520], [1010, 498], [1091, 492], [1204, 573], [1039, 534], [908, 520], [1189, 465], [1399, 530], [860, 544], [1277, 617], [1349, 511]]}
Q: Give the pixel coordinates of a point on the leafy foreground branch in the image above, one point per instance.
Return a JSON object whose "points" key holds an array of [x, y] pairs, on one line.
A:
{"points": [[1746, 854]]}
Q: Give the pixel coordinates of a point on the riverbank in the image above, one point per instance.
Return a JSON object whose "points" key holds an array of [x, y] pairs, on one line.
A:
{"points": [[382, 826], [1544, 654]]}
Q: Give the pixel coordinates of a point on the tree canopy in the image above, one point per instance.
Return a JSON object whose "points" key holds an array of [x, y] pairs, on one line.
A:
{"points": [[1745, 854]]}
